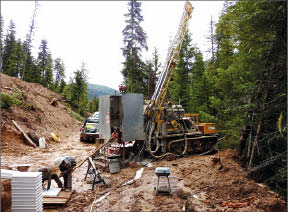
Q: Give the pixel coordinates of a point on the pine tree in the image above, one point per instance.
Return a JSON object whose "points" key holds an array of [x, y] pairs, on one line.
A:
{"points": [[79, 90], [48, 77], [20, 57], [33, 72], [180, 83], [147, 79], [211, 39], [201, 89], [1, 38], [153, 77], [10, 52], [94, 105], [28, 41], [134, 42], [59, 70], [62, 86], [44, 63]]}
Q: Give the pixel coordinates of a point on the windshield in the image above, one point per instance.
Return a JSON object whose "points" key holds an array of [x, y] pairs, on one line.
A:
{"points": [[95, 115]]}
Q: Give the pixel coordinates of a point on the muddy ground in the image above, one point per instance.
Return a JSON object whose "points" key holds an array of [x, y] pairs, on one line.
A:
{"points": [[198, 183]]}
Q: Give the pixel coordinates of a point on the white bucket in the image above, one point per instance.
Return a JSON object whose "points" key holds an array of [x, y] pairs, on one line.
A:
{"points": [[114, 166], [42, 143]]}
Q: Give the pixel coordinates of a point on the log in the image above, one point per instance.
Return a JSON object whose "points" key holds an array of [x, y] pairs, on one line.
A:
{"points": [[28, 140]]}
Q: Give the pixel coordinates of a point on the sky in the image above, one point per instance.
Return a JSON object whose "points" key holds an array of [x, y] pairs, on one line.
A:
{"points": [[91, 31]]}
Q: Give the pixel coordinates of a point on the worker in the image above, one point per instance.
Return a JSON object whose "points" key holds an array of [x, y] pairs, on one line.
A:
{"points": [[122, 88], [47, 175], [66, 164]]}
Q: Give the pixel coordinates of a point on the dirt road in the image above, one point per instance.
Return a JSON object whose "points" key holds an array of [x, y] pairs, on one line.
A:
{"points": [[199, 185]]}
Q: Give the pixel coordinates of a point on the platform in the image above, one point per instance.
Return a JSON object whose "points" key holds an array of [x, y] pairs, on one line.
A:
{"points": [[54, 202]]}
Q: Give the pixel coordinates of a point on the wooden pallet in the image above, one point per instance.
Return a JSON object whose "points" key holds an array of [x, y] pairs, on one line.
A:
{"points": [[60, 200]]}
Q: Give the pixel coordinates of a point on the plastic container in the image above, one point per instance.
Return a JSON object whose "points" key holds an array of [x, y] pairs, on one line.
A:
{"points": [[114, 166]]}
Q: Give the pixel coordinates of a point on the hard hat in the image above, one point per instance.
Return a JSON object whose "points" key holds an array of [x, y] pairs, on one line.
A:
{"points": [[58, 161]]}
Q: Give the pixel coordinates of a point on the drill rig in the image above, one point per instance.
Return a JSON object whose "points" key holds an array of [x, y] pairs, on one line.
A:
{"points": [[168, 130]]}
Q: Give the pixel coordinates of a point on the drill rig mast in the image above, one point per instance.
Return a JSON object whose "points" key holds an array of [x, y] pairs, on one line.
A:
{"points": [[169, 130]]}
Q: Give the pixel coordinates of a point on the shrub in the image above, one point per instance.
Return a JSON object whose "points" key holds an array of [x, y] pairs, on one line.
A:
{"points": [[6, 101]]}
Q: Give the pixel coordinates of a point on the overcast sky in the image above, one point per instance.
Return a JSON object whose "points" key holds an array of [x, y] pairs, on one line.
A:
{"points": [[91, 31]]}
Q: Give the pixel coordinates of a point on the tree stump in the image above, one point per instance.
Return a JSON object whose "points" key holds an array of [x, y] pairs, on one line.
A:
{"points": [[34, 137]]}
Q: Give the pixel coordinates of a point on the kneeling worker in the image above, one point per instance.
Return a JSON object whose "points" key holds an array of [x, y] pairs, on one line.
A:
{"points": [[47, 175]]}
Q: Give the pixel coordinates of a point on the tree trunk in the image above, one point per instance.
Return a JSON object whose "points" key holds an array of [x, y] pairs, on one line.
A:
{"points": [[259, 129]]}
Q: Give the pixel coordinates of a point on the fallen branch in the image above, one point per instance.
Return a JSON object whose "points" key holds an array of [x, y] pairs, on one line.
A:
{"points": [[28, 140], [98, 200], [8, 88]]}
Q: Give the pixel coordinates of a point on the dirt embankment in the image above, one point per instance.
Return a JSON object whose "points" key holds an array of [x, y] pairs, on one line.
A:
{"points": [[33, 113]]}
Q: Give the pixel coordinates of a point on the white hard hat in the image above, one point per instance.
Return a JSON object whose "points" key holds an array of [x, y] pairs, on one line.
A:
{"points": [[58, 161]]}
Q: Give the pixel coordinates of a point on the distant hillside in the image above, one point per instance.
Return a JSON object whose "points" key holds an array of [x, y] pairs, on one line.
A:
{"points": [[99, 90]]}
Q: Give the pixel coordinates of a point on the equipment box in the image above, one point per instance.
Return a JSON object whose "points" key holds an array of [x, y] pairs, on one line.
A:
{"points": [[124, 112]]}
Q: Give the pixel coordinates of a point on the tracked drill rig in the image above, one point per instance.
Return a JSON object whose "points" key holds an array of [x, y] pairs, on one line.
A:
{"points": [[168, 130]]}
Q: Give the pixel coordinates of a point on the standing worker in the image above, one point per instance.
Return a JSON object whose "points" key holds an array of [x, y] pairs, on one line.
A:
{"points": [[66, 164], [122, 88]]}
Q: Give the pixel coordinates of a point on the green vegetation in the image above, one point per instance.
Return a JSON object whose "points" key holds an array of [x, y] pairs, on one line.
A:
{"points": [[17, 99], [75, 115], [134, 41], [7, 101]]}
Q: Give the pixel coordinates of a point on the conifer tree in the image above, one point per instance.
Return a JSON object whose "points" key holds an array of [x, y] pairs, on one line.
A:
{"points": [[44, 63], [153, 67], [147, 77], [10, 51], [1, 38], [62, 86], [33, 72], [180, 83], [28, 41], [79, 90], [19, 58], [94, 105], [59, 70], [134, 42]]}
